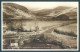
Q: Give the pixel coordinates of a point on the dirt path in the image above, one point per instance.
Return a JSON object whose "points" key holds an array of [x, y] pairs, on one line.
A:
{"points": [[50, 29]]}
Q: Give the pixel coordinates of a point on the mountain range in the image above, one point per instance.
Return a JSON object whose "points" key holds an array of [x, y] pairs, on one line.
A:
{"points": [[16, 11]]}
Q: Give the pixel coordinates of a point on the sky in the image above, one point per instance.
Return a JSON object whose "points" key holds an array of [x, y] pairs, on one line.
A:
{"points": [[47, 5]]}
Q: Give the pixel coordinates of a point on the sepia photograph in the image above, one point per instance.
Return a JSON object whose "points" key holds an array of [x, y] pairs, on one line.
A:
{"points": [[39, 26]]}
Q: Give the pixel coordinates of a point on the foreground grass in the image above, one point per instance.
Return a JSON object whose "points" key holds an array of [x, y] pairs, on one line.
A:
{"points": [[64, 41]]}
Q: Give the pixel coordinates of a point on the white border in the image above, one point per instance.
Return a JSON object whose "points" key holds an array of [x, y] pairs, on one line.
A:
{"points": [[39, 49]]}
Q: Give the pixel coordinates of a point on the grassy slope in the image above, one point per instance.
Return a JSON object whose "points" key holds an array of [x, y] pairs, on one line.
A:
{"points": [[65, 41], [68, 29]]}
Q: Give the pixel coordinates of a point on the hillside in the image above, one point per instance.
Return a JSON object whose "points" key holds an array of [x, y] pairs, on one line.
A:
{"points": [[72, 13], [58, 10], [15, 11], [59, 13], [50, 12]]}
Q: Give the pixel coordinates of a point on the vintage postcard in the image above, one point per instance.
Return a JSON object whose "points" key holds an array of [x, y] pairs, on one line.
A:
{"points": [[42, 26]]}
